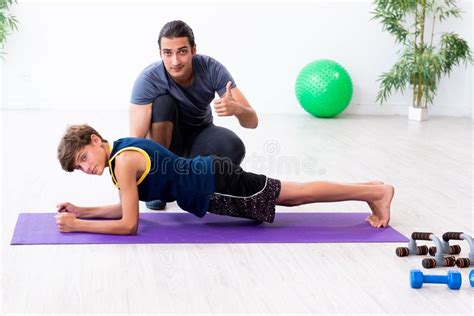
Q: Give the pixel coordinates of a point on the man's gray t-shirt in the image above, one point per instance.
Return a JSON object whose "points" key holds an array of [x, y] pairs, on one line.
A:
{"points": [[210, 77]]}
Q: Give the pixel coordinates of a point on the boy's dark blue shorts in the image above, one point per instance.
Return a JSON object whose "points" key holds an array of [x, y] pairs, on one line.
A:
{"points": [[243, 194]]}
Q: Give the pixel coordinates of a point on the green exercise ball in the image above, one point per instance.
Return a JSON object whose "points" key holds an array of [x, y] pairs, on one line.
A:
{"points": [[323, 88]]}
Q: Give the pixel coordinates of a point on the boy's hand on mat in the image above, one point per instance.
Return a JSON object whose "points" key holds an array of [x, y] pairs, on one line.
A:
{"points": [[69, 208], [226, 106], [65, 222]]}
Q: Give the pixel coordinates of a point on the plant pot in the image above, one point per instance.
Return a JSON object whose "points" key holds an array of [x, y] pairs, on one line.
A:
{"points": [[417, 114]]}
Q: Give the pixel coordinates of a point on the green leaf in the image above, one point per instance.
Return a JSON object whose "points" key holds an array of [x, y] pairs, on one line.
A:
{"points": [[420, 65], [453, 51], [8, 23], [397, 79]]}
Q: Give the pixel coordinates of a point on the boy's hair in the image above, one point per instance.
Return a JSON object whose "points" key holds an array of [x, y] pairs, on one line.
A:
{"points": [[176, 29], [75, 138]]}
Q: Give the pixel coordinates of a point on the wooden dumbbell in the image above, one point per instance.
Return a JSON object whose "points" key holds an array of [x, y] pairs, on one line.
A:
{"points": [[429, 263], [456, 249], [447, 249], [412, 248]]}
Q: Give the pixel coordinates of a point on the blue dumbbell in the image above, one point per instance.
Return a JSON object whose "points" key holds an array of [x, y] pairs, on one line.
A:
{"points": [[471, 277], [453, 279]]}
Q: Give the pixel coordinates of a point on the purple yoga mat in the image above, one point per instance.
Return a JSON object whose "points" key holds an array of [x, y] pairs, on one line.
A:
{"points": [[178, 228]]}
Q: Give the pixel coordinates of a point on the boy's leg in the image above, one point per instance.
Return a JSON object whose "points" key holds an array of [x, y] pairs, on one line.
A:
{"points": [[379, 197], [294, 193]]}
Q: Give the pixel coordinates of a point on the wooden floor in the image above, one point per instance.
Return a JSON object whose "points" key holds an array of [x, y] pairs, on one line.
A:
{"points": [[430, 165]]}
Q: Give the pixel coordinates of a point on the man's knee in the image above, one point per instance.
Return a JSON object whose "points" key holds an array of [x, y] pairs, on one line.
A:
{"points": [[228, 144], [164, 108], [219, 141], [235, 149]]}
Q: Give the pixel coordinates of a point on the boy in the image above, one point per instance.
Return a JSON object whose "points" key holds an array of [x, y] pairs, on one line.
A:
{"points": [[144, 170]]}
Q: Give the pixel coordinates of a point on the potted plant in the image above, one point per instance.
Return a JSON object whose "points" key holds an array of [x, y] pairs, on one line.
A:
{"points": [[8, 23], [423, 59]]}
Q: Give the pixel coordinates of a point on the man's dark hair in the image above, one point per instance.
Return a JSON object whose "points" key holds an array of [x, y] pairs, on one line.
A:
{"points": [[176, 29]]}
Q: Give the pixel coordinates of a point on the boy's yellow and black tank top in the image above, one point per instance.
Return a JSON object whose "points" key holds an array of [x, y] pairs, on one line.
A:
{"points": [[168, 177]]}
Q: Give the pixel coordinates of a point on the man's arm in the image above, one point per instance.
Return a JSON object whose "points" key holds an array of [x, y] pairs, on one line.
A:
{"points": [[140, 119], [234, 103], [247, 116]]}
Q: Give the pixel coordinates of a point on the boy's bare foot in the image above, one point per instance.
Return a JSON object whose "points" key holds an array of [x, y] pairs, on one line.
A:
{"points": [[381, 208], [374, 182]]}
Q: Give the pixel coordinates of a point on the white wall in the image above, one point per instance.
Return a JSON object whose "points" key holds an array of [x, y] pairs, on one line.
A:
{"points": [[87, 54]]}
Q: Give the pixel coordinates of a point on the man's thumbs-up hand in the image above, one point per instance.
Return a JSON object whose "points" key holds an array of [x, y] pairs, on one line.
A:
{"points": [[228, 92], [226, 106]]}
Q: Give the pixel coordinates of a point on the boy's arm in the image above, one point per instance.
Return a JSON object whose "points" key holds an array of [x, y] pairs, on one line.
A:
{"points": [[113, 211], [109, 211], [126, 168]]}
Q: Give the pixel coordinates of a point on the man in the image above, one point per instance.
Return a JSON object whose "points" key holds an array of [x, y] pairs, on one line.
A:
{"points": [[171, 99]]}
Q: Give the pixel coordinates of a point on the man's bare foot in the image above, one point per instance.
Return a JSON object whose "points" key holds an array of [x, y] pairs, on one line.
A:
{"points": [[381, 208]]}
